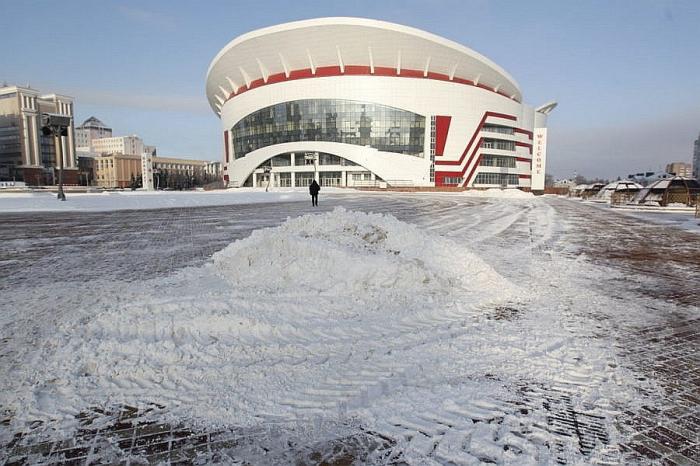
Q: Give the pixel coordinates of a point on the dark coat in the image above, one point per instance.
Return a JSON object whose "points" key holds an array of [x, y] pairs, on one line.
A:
{"points": [[314, 188]]}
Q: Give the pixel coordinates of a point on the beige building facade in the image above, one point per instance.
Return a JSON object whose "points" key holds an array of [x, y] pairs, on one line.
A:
{"points": [[118, 171], [680, 169], [25, 153]]}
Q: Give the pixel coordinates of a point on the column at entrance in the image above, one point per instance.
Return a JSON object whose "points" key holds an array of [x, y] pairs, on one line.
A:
{"points": [[37, 135], [294, 181], [26, 159], [255, 180]]}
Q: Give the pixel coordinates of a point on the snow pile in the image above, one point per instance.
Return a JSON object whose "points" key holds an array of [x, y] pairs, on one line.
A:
{"points": [[345, 253], [499, 193], [308, 318]]}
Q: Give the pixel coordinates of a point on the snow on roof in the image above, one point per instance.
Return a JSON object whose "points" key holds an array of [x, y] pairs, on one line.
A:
{"points": [[615, 186], [655, 191]]}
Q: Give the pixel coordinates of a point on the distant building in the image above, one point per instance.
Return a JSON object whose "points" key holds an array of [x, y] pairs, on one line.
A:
{"points": [[118, 171], [679, 169], [25, 153], [564, 183], [696, 159], [91, 129], [214, 169], [126, 145]]}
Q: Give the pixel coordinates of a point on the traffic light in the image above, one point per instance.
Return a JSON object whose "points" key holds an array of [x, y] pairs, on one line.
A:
{"points": [[52, 123]]}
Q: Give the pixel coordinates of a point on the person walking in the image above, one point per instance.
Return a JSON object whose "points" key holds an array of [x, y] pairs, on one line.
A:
{"points": [[314, 188]]}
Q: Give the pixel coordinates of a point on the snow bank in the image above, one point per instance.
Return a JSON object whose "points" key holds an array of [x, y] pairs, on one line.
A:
{"points": [[499, 193], [346, 253], [130, 200], [313, 317]]}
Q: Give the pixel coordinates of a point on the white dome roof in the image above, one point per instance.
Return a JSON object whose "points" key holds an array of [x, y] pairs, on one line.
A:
{"points": [[347, 42]]}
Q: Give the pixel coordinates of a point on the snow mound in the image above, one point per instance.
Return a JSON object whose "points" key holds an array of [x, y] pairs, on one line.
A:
{"points": [[500, 193], [346, 253], [331, 306]]}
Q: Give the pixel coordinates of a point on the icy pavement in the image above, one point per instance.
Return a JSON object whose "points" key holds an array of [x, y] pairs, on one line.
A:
{"points": [[464, 330]]}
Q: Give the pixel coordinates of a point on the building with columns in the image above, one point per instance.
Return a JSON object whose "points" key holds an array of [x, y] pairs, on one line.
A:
{"points": [[26, 154], [118, 171]]}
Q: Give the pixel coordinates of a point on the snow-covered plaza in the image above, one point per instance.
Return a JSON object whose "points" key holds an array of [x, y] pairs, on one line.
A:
{"points": [[443, 328]]}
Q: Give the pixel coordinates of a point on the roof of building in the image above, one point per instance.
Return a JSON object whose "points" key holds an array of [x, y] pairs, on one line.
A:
{"points": [[93, 122], [348, 42]]}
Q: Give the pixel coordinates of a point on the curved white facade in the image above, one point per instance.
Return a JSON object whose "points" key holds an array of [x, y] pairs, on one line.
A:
{"points": [[378, 101]]}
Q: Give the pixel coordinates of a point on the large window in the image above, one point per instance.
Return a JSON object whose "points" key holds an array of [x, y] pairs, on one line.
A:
{"points": [[489, 160], [501, 179], [498, 129], [365, 124], [498, 144]]}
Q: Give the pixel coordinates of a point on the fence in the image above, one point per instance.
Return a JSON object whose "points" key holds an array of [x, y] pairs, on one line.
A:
{"points": [[680, 197], [621, 197]]}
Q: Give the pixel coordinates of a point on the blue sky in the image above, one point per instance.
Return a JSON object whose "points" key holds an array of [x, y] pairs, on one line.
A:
{"points": [[626, 73]]}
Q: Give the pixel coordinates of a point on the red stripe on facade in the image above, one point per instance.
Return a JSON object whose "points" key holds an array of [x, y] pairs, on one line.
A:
{"points": [[438, 76], [524, 131], [473, 170], [522, 159], [384, 71], [476, 133], [357, 70], [501, 115], [440, 175], [226, 145], [463, 81], [524, 144], [442, 127], [524, 176], [300, 74], [325, 71]]}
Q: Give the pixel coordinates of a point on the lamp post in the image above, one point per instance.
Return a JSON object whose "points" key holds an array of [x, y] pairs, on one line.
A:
{"points": [[312, 157], [57, 126], [268, 172]]}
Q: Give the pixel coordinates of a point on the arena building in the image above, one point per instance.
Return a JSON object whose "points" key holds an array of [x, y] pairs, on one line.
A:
{"points": [[359, 102]]}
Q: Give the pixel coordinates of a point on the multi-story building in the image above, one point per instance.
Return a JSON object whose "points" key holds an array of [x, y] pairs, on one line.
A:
{"points": [[368, 101], [696, 159], [26, 154], [127, 145], [151, 150], [679, 169], [213, 170], [121, 170], [91, 129]]}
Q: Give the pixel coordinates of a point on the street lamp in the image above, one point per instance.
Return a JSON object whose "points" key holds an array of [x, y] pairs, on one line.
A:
{"points": [[56, 126], [313, 158], [267, 170]]}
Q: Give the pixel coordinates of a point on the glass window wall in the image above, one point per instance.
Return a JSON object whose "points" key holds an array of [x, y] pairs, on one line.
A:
{"points": [[366, 124], [488, 160]]}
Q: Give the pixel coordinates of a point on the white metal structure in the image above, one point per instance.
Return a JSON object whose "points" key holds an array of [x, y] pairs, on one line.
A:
{"points": [[385, 102]]}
